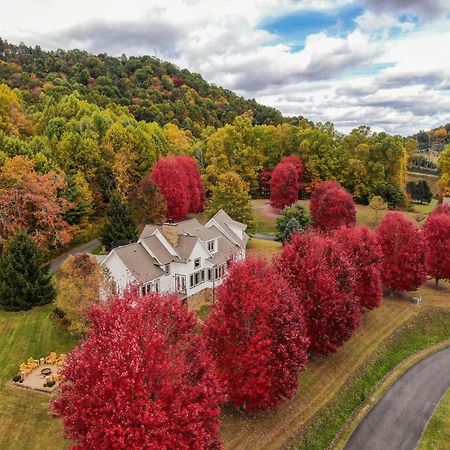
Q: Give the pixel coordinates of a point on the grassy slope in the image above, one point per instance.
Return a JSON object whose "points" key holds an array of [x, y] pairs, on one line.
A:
{"points": [[437, 434], [24, 421], [332, 387]]}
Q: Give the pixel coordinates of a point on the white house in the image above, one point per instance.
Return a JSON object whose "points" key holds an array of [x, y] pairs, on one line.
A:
{"points": [[183, 258]]}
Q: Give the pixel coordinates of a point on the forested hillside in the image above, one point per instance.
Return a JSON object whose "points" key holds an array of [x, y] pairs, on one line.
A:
{"points": [[76, 128], [153, 90]]}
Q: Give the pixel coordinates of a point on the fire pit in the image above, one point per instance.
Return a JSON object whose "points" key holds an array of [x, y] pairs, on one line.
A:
{"points": [[46, 371]]}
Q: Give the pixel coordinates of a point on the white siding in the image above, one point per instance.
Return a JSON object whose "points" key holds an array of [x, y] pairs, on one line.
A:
{"points": [[119, 272]]}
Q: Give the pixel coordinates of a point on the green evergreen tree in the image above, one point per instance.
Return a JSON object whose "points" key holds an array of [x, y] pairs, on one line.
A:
{"points": [[120, 227], [296, 212], [292, 226], [24, 281], [232, 195]]}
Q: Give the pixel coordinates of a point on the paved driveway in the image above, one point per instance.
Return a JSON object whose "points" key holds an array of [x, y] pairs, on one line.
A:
{"points": [[84, 248], [396, 422]]}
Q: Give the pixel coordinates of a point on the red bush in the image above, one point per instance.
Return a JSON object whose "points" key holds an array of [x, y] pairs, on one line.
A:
{"points": [[364, 251], [142, 379], [403, 247], [285, 182], [332, 207], [436, 232], [324, 281], [256, 335]]}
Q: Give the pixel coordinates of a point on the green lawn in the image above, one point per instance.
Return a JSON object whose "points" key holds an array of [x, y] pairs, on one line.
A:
{"points": [[24, 420], [437, 434]]}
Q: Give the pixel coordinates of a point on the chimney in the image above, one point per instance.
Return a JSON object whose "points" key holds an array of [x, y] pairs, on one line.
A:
{"points": [[170, 231]]}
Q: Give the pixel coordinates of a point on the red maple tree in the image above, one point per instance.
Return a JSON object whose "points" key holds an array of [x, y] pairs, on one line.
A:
{"points": [[285, 182], [195, 187], [403, 248], [178, 178], [436, 232], [256, 335], [324, 281], [441, 209], [332, 207], [172, 181], [362, 247], [142, 379]]}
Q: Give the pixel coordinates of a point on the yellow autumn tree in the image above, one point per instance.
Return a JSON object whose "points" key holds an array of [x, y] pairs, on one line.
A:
{"points": [[79, 283]]}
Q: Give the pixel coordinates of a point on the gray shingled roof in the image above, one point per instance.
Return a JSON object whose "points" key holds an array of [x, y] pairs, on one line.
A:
{"points": [[185, 246], [157, 248], [137, 260], [194, 228], [224, 251]]}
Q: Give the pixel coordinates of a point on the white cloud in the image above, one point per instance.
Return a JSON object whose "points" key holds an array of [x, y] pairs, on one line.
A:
{"points": [[325, 80], [370, 22]]}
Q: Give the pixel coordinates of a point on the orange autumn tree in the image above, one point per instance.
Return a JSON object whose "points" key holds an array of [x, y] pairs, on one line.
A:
{"points": [[32, 202]]}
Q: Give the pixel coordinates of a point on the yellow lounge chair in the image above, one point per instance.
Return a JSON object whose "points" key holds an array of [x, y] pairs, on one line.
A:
{"points": [[61, 359], [57, 377], [51, 359], [32, 362]]}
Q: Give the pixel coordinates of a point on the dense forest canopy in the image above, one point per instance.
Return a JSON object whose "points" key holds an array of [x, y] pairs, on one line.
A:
{"points": [[86, 126], [153, 90]]}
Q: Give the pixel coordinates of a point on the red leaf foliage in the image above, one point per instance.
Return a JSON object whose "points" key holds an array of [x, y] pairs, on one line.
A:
{"points": [[324, 281], [437, 238], [256, 334], [362, 247], [441, 209], [195, 187], [403, 247], [178, 178], [332, 207], [285, 182], [142, 379]]}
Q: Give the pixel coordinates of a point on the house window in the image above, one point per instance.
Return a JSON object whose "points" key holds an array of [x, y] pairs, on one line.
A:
{"points": [[211, 246], [197, 278], [180, 283], [209, 274], [219, 272], [156, 286], [167, 269], [196, 263]]}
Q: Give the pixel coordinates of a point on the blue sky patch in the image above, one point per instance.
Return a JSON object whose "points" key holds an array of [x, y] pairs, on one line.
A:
{"points": [[294, 28]]}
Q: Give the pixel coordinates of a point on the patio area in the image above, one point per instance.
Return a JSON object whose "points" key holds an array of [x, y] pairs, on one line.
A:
{"points": [[42, 374]]}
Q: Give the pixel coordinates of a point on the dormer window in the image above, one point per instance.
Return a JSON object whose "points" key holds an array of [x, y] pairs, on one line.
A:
{"points": [[167, 269], [196, 263], [211, 246]]}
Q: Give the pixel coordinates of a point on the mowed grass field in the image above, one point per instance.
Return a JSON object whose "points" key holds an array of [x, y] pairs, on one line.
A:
{"points": [[437, 433], [24, 420]]}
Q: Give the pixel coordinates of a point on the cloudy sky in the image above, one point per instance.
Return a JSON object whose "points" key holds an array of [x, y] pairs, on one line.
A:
{"points": [[385, 63]]}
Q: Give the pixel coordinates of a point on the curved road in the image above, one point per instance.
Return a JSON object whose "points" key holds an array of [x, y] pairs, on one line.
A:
{"points": [[399, 418]]}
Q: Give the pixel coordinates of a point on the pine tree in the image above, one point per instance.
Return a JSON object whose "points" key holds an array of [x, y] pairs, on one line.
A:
{"points": [[24, 281], [297, 212], [232, 195], [120, 226]]}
